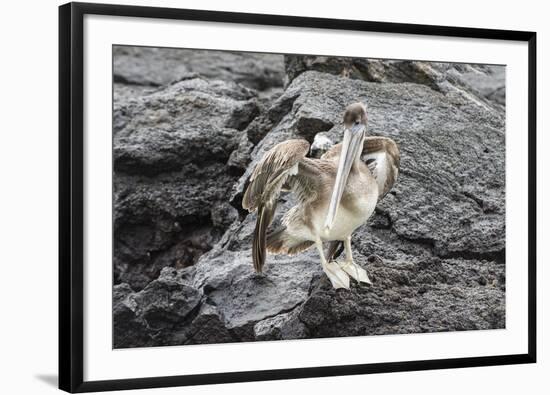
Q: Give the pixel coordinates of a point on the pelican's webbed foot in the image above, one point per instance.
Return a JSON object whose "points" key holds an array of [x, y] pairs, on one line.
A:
{"points": [[355, 271], [352, 268], [337, 277]]}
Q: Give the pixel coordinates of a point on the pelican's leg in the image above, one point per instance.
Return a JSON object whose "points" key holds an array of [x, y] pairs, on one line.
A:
{"points": [[350, 267], [337, 276]]}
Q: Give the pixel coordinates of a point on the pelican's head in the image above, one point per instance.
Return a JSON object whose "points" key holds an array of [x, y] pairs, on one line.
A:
{"points": [[356, 114], [355, 127]]}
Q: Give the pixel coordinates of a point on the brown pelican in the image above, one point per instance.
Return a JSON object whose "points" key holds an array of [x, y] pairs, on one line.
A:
{"points": [[336, 194]]}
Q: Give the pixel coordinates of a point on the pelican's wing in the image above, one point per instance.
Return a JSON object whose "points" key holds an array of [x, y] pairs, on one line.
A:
{"points": [[381, 155], [284, 164], [333, 152]]}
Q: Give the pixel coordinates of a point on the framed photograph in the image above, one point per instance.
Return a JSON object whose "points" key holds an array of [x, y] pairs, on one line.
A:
{"points": [[253, 197]]}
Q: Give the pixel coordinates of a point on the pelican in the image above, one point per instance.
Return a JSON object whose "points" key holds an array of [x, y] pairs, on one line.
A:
{"points": [[335, 195]]}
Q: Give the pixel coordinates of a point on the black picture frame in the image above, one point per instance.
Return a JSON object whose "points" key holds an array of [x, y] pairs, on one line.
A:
{"points": [[71, 224]]}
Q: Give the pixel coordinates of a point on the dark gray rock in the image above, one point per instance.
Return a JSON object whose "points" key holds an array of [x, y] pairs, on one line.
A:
{"points": [[168, 220], [429, 296], [207, 328], [171, 178], [372, 70], [282, 326], [240, 157], [153, 315], [129, 328], [166, 301], [269, 117], [485, 83], [243, 297], [161, 66], [123, 92]]}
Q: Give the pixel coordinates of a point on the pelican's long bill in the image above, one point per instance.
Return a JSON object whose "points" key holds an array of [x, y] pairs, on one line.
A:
{"points": [[351, 149]]}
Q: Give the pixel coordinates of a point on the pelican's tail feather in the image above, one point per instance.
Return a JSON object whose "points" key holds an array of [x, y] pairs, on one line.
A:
{"points": [[265, 216], [281, 242]]}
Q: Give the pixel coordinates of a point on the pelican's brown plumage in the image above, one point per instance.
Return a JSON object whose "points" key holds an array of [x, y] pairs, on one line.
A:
{"points": [[335, 194]]}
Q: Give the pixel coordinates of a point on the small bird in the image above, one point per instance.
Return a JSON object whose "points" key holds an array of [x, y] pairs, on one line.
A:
{"points": [[335, 195]]}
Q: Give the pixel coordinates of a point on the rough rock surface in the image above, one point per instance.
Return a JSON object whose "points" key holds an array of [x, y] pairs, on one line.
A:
{"points": [[171, 185], [184, 148], [485, 83], [149, 66]]}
